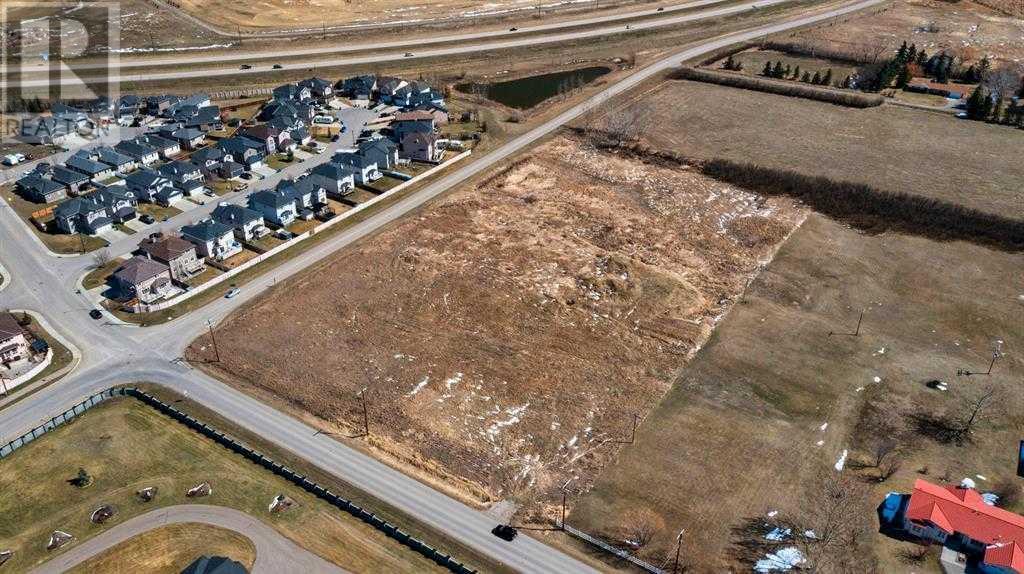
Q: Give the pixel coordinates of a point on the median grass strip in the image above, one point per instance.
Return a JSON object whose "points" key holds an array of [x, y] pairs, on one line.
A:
{"points": [[170, 549], [125, 446]]}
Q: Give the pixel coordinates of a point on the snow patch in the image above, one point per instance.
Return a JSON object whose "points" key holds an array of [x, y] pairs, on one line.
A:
{"points": [[841, 463]]}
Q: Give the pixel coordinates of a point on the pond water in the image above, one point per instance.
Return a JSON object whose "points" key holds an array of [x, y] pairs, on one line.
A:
{"points": [[523, 93]]}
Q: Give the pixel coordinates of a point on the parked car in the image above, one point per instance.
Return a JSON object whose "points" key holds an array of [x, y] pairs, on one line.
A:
{"points": [[284, 234], [245, 67], [336, 137], [11, 160], [147, 219], [505, 532], [408, 54], [209, 193], [513, 29], [246, 175], [231, 293], [96, 314], [278, 66]]}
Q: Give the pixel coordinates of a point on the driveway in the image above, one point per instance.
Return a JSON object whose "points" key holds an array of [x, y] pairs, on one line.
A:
{"points": [[274, 552], [264, 170], [136, 224], [184, 205], [113, 235]]}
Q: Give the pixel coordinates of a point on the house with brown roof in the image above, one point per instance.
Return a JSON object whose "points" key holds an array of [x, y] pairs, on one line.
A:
{"points": [[415, 121], [14, 340], [177, 254], [143, 279], [421, 146]]}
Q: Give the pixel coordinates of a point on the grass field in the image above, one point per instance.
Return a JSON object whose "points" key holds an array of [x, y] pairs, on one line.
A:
{"points": [[753, 61], [888, 147], [126, 446], [169, 549]]}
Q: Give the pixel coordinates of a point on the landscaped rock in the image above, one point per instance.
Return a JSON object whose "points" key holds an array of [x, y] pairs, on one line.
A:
{"points": [[202, 489], [58, 538], [5, 556], [281, 503], [147, 494], [103, 514]]}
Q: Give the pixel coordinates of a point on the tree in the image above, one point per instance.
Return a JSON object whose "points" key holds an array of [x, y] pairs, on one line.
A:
{"points": [[834, 514], [729, 63], [767, 71], [785, 74], [640, 526], [101, 258], [904, 77], [1020, 91], [624, 125], [912, 54], [817, 78], [973, 412], [778, 71], [806, 78], [82, 479], [826, 80], [796, 74], [997, 111], [978, 104], [901, 54]]}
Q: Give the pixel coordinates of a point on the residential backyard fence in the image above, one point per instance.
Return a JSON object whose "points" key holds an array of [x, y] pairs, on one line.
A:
{"points": [[302, 481]]}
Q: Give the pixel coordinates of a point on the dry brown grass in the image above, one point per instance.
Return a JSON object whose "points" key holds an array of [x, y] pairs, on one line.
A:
{"points": [[509, 332], [169, 550]]}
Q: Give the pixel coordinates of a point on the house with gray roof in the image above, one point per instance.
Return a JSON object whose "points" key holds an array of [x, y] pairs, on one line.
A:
{"points": [[82, 215], [212, 239], [274, 206], [165, 147], [319, 88], [144, 153], [185, 176], [364, 169], [152, 186], [247, 223], [243, 150], [40, 189], [337, 179], [95, 170], [189, 138], [381, 150], [74, 181], [122, 163]]}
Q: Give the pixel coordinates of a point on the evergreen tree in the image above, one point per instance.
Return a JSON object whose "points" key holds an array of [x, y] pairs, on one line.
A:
{"points": [[904, 77], [728, 63], [983, 68], [1020, 92], [796, 76], [778, 71], [901, 54], [978, 104], [785, 74], [816, 80], [767, 71], [806, 78], [971, 75], [922, 59], [912, 54], [942, 71], [997, 111], [847, 82], [827, 79]]}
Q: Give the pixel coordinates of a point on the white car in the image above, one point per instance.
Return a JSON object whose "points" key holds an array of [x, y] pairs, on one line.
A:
{"points": [[11, 159], [231, 293]]}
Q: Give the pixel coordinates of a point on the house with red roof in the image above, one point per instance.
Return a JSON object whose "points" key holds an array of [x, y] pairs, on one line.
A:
{"points": [[958, 518]]}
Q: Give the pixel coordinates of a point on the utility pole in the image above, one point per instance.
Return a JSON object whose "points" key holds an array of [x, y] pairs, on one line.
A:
{"points": [[366, 418], [565, 491], [216, 350], [679, 546], [3, 382], [856, 332]]}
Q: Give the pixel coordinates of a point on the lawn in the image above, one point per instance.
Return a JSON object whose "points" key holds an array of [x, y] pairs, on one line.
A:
{"points": [[126, 446], [208, 274], [124, 229], [222, 186], [239, 258], [99, 275], [159, 212], [56, 242], [170, 549], [280, 161], [62, 356]]}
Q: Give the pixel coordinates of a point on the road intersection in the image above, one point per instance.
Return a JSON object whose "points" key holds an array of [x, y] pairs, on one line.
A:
{"points": [[120, 354]]}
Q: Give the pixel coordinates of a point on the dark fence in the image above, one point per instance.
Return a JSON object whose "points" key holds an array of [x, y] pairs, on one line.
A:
{"points": [[59, 420], [301, 481]]}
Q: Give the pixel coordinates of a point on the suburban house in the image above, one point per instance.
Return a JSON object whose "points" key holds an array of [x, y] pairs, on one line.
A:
{"points": [[177, 254], [243, 150], [14, 339], [421, 146], [128, 106], [153, 187], [296, 92], [95, 170], [989, 539], [285, 123], [248, 224], [307, 194], [440, 115], [319, 88], [415, 121], [212, 239], [359, 87], [266, 136], [157, 105], [274, 206], [188, 138], [336, 179], [119, 201], [300, 135], [286, 108], [82, 215], [209, 159], [41, 190], [165, 147], [46, 130], [393, 91], [363, 168], [120, 162], [73, 180], [144, 153], [185, 176], [143, 279], [230, 169], [381, 150]]}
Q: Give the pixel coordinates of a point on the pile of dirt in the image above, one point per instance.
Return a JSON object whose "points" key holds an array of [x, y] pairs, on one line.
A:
{"points": [[508, 334]]}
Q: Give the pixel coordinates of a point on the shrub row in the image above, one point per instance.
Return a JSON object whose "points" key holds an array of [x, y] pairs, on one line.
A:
{"points": [[798, 90]]}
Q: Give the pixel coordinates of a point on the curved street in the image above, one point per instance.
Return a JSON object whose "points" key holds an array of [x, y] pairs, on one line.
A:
{"points": [[118, 354], [274, 552]]}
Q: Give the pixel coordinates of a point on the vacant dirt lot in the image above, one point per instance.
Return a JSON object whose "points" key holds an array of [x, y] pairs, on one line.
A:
{"points": [[965, 29], [508, 333], [773, 401], [888, 147]]}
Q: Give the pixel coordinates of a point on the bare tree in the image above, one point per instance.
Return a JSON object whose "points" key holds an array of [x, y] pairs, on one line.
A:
{"points": [[884, 448], [834, 519], [640, 526], [889, 467], [1003, 82], [623, 125], [973, 412], [101, 257]]}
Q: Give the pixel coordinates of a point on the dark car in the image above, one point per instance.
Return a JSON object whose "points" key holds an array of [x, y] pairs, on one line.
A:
{"points": [[505, 532], [246, 175], [96, 314], [513, 29], [408, 54], [661, 9], [278, 66], [147, 219], [245, 67]]}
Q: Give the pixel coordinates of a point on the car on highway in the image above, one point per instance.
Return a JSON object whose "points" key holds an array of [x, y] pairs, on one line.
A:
{"points": [[147, 219], [231, 293], [505, 532], [661, 9], [278, 66], [513, 29], [96, 314], [408, 54], [245, 67]]}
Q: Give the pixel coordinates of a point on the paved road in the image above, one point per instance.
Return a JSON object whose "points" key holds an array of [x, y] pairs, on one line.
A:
{"points": [[121, 354], [459, 48], [274, 552]]}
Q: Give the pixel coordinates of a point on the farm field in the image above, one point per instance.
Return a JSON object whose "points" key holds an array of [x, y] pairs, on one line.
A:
{"points": [[773, 401], [888, 147], [124, 447], [508, 334]]}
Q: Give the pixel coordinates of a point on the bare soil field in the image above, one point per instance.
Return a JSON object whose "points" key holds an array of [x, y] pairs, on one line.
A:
{"points": [[508, 334], [773, 401], [888, 147], [966, 29]]}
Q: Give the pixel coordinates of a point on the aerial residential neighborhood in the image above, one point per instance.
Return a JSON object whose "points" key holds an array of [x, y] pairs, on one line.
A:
{"points": [[512, 286]]}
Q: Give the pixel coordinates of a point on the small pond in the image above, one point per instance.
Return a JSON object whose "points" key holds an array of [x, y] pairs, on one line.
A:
{"points": [[523, 93]]}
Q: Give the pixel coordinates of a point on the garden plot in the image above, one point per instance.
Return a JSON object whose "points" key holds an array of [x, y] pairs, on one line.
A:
{"points": [[508, 334]]}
